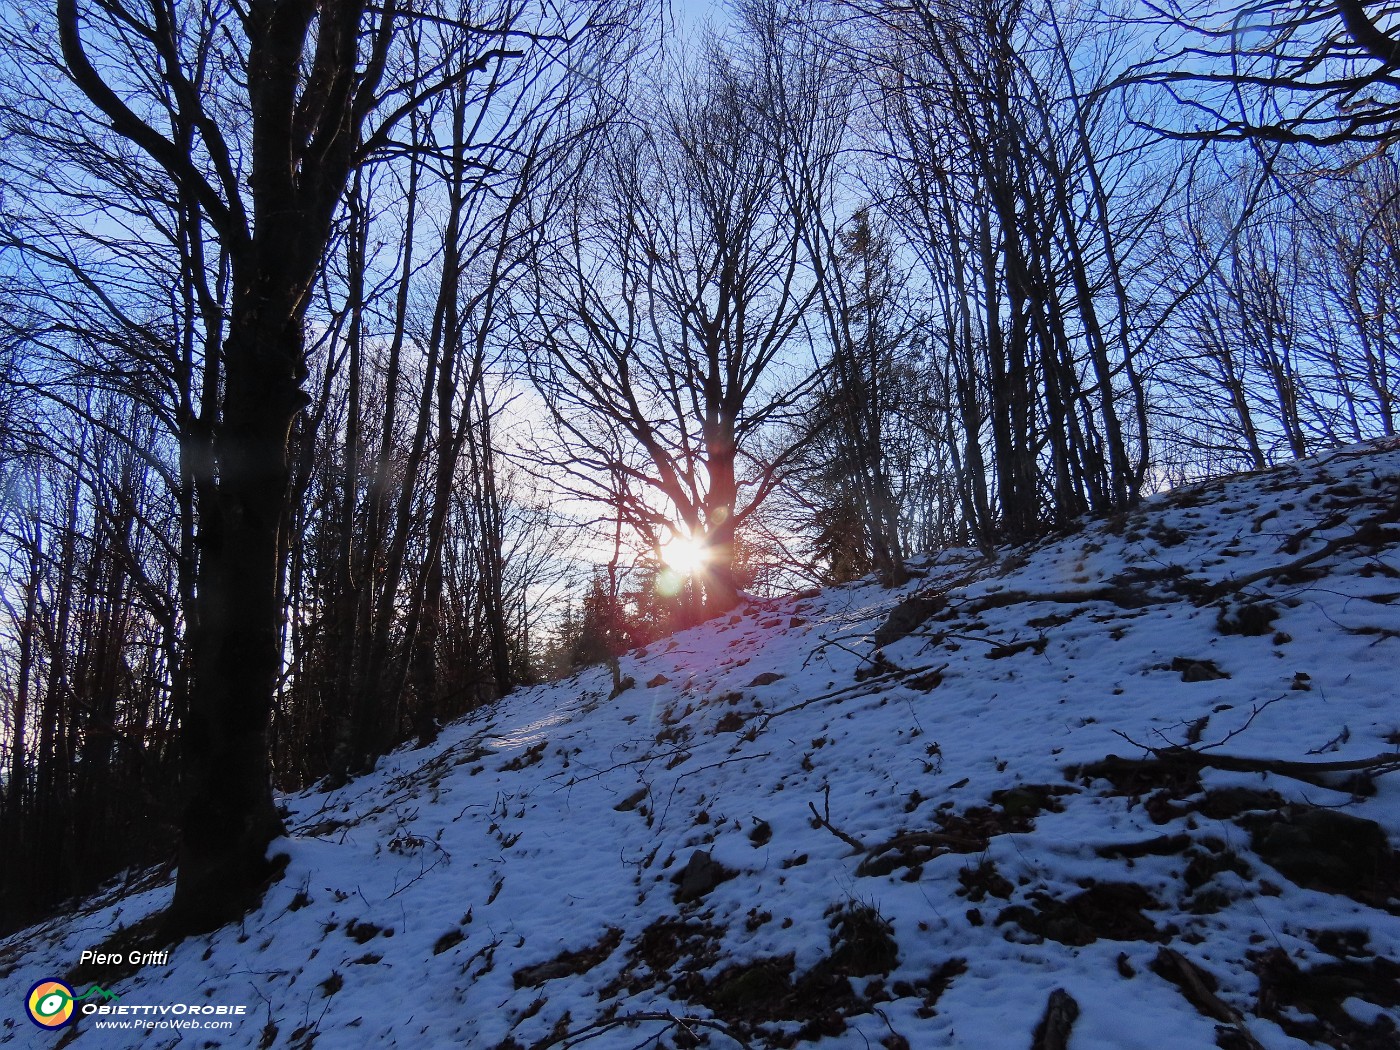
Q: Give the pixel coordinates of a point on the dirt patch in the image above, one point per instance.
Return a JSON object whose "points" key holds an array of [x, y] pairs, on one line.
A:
{"points": [[1328, 850], [914, 849], [931, 988], [1136, 778], [753, 991], [1248, 618], [1041, 623], [765, 999], [529, 757], [1228, 803], [755, 997], [1196, 670], [863, 944], [1024, 802], [142, 936], [668, 951], [1158, 786], [363, 932], [1161, 846], [1208, 859], [1013, 811], [1034, 645], [976, 883], [569, 963], [1343, 944], [1108, 910], [1307, 1003], [730, 722], [766, 678], [448, 941]]}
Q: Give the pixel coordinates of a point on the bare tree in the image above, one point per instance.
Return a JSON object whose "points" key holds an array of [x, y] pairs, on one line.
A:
{"points": [[198, 202], [311, 76], [1231, 383], [1303, 72], [1284, 342], [1026, 197], [807, 89], [1351, 235], [671, 296], [871, 384], [318, 87]]}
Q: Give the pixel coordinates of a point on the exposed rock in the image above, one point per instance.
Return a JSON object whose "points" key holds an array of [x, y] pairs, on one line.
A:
{"points": [[908, 616], [701, 874], [1198, 670], [633, 800], [1052, 1033]]}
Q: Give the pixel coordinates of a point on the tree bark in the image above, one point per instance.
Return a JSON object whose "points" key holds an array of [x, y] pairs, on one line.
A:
{"points": [[229, 817]]}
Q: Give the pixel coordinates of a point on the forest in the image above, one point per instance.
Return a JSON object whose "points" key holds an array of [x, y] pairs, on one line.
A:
{"points": [[361, 362]]}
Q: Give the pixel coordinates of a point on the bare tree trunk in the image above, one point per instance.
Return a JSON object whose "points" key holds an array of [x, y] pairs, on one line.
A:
{"points": [[305, 120], [229, 816]]}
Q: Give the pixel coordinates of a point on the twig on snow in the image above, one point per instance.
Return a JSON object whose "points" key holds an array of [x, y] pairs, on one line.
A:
{"points": [[824, 821]]}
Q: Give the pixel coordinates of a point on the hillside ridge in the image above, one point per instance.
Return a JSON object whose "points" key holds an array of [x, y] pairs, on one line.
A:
{"points": [[1123, 788]]}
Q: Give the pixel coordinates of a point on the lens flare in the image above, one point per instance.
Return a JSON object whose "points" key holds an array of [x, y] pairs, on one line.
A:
{"points": [[684, 554]]}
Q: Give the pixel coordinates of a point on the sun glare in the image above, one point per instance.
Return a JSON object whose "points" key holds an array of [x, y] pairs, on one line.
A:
{"points": [[684, 554]]}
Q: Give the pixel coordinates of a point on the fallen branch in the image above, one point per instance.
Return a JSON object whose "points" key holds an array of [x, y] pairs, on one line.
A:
{"points": [[1198, 987], [1370, 531], [825, 822], [701, 769], [860, 687], [645, 758], [1318, 774], [912, 840], [1255, 711], [864, 658], [1125, 597], [441, 856]]}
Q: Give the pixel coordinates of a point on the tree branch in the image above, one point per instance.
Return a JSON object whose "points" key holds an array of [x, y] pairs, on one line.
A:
{"points": [[127, 124]]}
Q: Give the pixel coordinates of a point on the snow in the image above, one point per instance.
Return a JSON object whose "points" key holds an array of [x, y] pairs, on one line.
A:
{"points": [[417, 898]]}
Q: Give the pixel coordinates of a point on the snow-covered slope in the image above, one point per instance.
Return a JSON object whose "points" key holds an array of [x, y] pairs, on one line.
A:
{"points": [[782, 835]]}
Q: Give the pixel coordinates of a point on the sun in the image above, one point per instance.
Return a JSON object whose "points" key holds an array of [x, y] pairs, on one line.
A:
{"points": [[684, 554]]}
